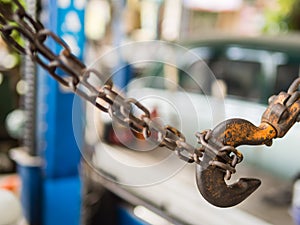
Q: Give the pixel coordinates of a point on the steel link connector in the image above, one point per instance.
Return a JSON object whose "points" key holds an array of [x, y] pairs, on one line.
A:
{"points": [[283, 111], [223, 156], [154, 130], [185, 152], [136, 123], [170, 137]]}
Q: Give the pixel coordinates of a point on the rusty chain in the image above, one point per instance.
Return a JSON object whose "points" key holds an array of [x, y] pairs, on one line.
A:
{"points": [[77, 78], [228, 153]]}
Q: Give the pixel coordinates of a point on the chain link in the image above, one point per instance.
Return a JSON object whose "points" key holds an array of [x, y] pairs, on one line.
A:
{"points": [[77, 79], [128, 112], [228, 156]]}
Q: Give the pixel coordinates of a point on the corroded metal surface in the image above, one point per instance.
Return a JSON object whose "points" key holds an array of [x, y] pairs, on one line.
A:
{"points": [[210, 178], [214, 189], [281, 114]]}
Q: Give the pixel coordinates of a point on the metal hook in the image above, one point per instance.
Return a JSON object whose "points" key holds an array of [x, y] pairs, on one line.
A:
{"points": [[214, 189], [210, 177]]}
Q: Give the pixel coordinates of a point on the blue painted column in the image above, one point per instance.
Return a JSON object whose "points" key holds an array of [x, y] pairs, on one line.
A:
{"points": [[56, 143], [122, 71]]}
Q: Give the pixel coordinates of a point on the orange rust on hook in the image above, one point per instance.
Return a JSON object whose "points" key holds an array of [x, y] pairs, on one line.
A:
{"points": [[239, 132], [210, 178]]}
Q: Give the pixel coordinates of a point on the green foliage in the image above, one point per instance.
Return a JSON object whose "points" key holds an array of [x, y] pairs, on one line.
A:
{"points": [[279, 19], [10, 2], [15, 35]]}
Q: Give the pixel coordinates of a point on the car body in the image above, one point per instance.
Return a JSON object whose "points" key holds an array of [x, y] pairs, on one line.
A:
{"points": [[247, 70]]}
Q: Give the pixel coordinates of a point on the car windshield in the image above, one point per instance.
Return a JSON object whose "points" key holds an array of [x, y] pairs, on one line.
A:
{"points": [[286, 74], [243, 79], [248, 74]]}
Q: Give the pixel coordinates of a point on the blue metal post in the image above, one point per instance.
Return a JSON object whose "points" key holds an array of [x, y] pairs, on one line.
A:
{"points": [[122, 71], [56, 143]]}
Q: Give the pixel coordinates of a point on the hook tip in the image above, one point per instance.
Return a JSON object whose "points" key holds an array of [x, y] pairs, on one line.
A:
{"points": [[214, 189]]}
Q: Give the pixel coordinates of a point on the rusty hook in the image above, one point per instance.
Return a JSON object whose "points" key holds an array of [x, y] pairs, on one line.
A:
{"points": [[210, 177]]}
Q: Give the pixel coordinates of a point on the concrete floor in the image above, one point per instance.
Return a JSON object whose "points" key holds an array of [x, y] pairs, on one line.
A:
{"points": [[179, 197]]}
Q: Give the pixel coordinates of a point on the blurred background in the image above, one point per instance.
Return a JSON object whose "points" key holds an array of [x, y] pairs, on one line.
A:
{"points": [[250, 47], [191, 20]]}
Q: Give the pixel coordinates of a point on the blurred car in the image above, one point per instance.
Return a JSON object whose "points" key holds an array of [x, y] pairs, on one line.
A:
{"points": [[245, 71]]}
